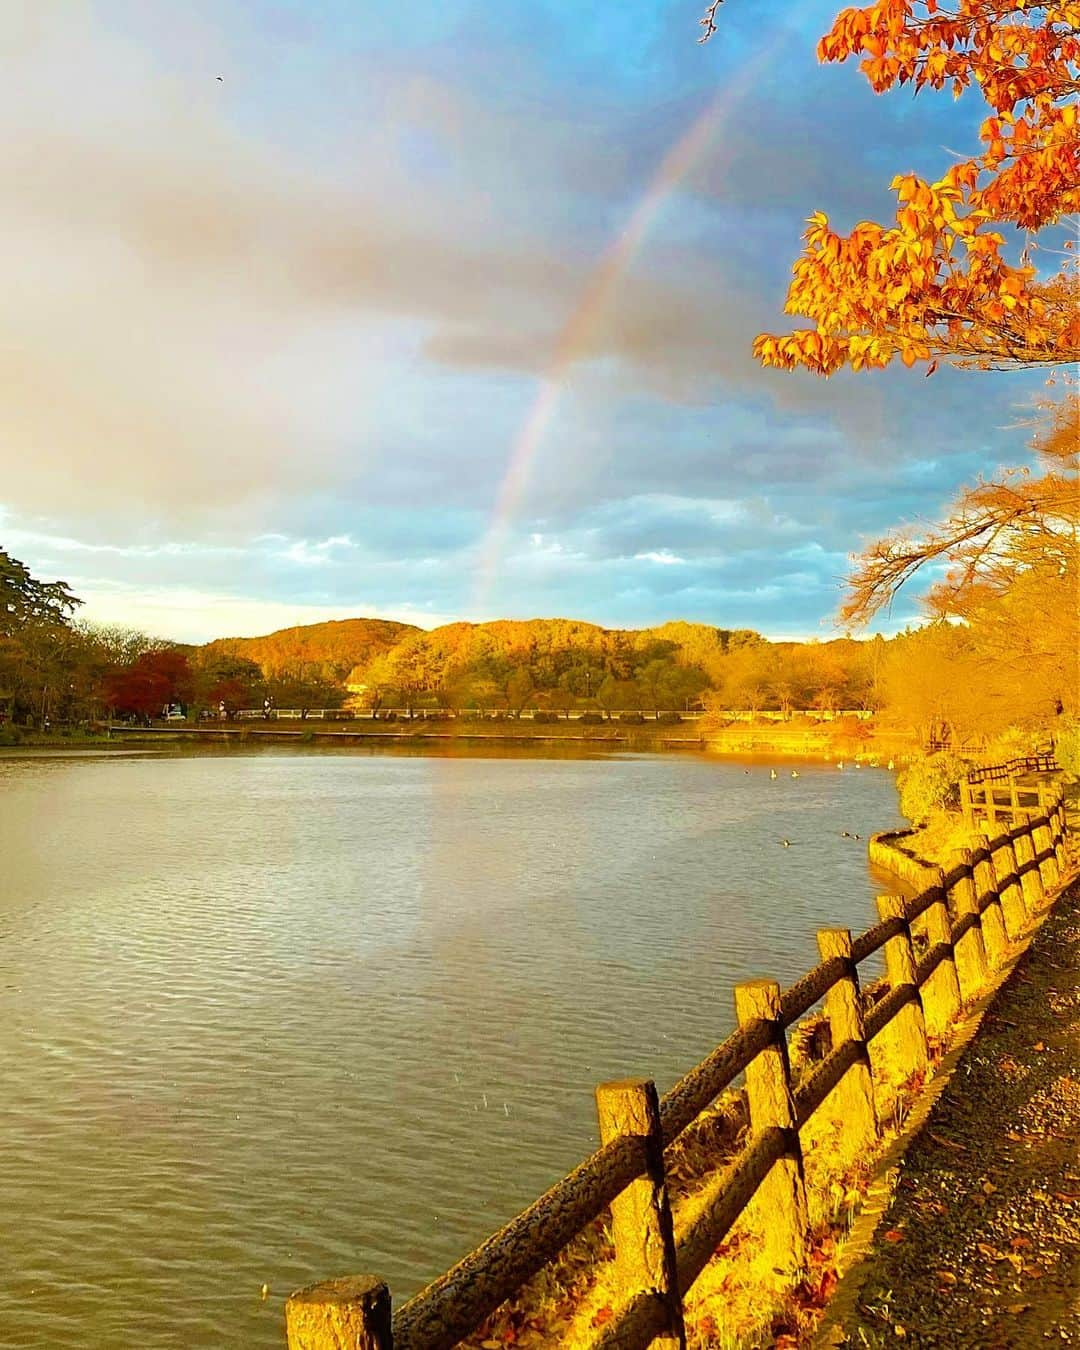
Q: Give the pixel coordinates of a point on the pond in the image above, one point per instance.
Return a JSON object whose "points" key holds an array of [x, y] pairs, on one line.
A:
{"points": [[271, 1017]]}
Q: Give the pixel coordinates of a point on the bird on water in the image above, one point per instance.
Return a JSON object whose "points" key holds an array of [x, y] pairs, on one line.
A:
{"points": [[772, 773]]}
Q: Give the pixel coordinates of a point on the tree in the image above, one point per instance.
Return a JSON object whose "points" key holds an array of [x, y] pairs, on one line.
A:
{"points": [[936, 284], [24, 599], [994, 532], [151, 682]]}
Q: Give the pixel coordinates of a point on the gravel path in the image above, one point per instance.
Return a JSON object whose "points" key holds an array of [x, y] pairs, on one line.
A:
{"points": [[980, 1246]]}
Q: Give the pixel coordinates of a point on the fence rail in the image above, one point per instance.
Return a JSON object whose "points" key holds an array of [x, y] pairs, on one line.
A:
{"points": [[993, 799], [999, 773], [966, 918]]}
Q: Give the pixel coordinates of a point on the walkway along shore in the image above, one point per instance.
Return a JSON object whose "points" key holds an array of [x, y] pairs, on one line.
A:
{"points": [[811, 1103], [979, 1246]]}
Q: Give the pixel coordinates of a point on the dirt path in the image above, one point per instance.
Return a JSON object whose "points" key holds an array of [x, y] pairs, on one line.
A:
{"points": [[980, 1246]]}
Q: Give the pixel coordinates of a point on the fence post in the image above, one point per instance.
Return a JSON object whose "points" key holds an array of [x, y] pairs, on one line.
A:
{"points": [[1048, 868], [782, 1195], [353, 1312], [1013, 909], [906, 1034], [941, 992], [966, 804], [986, 891], [971, 967], [641, 1216], [854, 1094], [1031, 881]]}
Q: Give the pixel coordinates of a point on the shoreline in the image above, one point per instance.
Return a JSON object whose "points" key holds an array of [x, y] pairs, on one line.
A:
{"points": [[764, 743]]}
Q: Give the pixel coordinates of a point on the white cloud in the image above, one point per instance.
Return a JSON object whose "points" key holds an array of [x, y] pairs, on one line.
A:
{"points": [[662, 556]]}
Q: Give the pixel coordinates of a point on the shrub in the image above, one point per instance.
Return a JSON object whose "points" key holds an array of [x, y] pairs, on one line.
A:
{"points": [[631, 717], [10, 734], [1067, 746], [542, 716], [1014, 743], [591, 719], [669, 717], [931, 783]]}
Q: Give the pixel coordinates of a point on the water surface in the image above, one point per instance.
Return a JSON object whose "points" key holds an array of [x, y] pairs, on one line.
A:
{"points": [[277, 1016]]}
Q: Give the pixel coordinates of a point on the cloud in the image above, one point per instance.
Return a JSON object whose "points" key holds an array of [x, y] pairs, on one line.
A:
{"points": [[313, 300]]}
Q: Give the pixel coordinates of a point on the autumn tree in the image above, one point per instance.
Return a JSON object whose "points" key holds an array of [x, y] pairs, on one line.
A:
{"points": [[151, 682], [994, 533], [1007, 556], [938, 284]]}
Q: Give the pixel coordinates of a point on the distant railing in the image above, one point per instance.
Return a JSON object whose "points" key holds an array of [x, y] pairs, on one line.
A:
{"points": [[991, 793], [966, 919], [1013, 768], [560, 714]]}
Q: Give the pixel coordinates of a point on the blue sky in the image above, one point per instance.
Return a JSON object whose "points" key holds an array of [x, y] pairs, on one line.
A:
{"points": [[270, 341]]}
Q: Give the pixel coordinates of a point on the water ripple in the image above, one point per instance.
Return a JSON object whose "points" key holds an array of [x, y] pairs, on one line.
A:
{"points": [[273, 1017]]}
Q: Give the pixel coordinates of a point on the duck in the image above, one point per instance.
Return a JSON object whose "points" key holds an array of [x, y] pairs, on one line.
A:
{"points": [[772, 773], [794, 773], [891, 765], [785, 843]]}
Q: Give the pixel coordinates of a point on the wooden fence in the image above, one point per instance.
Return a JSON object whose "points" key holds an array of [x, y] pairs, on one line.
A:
{"points": [[1013, 768], [991, 795], [965, 918]]}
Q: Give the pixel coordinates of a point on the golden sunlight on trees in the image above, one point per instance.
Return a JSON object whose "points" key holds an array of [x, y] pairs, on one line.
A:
{"points": [[936, 284], [1011, 590], [1016, 528]]}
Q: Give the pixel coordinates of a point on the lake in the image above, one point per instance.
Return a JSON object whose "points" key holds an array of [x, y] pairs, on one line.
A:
{"points": [[271, 1017]]}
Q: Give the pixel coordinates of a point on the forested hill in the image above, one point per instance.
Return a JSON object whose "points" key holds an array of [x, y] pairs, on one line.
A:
{"points": [[552, 662], [325, 650]]}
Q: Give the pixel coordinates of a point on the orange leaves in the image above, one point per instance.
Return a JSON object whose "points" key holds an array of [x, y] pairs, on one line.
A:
{"points": [[936, 284]]}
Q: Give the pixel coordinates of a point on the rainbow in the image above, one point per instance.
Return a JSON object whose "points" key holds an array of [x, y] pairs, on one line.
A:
{"points": [[574, 340]]}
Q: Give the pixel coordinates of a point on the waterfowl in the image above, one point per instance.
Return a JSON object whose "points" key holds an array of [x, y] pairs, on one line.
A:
{"points": [[772, 773]]}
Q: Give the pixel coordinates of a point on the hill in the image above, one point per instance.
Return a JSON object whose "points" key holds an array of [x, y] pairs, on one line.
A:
{"points": [[325, 650]]}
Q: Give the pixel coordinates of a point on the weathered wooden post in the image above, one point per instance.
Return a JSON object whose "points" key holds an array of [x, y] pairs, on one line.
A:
{"points": [[966, 804], [941, 992], [906, 1033], [853, 1096], [641, 1225], [971, 965], [352, 1313], [1013, 909], [1048, 868], [986, 891], [781, 1197], [1031, 880]]}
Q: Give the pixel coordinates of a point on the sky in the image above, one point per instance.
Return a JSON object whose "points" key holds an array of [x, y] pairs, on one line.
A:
{"points": [[325, 308]]}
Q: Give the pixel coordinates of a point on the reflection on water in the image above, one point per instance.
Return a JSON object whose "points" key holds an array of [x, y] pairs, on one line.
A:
{"points": [[281, 1016]]}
